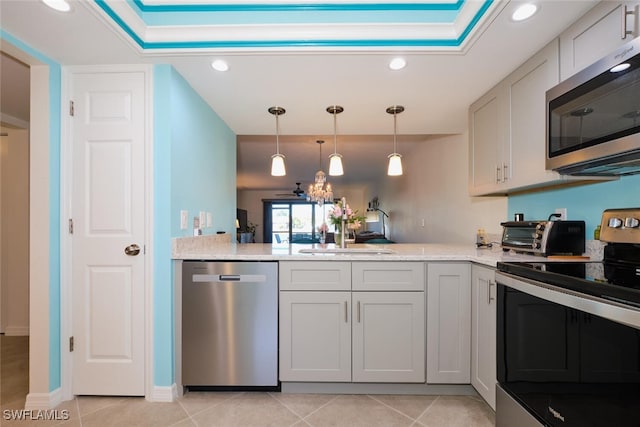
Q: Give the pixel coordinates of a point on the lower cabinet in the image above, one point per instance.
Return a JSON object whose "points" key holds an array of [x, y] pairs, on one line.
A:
{"points": [[359, 336], [448, 323], [315, 336], [483, 333], [388, 337]]}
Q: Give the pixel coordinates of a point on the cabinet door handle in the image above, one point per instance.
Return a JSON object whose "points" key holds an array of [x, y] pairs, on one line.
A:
{"points": [[358, 311], [498, 178], [489, 298], [504, 172], [624, 31], [346, 312]]}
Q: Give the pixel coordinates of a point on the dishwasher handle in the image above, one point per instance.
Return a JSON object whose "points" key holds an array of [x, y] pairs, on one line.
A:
{"points": [[239, 278]]}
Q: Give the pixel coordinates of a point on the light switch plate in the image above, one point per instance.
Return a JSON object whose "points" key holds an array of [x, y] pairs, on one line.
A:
{"points": [[203, 219], [184, 216], [209, 220]]}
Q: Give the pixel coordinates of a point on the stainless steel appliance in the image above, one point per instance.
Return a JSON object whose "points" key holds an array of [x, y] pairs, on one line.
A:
{"points": [[593, 118], [230, 325], [544, 237], [569, 335]]}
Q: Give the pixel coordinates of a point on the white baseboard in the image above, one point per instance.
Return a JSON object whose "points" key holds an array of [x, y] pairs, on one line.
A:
{"points": [[164, 393], [43, 400], [17, 331]]}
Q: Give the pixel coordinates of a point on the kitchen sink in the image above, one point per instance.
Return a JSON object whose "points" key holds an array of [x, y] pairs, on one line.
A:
{"points": [[353, 251]]}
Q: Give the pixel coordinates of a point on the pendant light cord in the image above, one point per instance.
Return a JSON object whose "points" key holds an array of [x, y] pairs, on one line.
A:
{"points": [[335, 137], [395, 132], [277, 133]]}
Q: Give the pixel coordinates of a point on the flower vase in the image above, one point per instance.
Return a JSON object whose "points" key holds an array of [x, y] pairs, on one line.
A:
{"points": [[337, 237], [350, 236]]}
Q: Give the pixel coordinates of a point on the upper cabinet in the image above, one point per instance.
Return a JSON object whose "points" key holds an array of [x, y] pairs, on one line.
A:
{"points": [[507, 129], [604, 28]]}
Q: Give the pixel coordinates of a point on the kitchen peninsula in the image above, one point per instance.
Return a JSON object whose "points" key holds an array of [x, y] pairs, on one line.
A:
{"points": [[375, 318], [202, 248]]}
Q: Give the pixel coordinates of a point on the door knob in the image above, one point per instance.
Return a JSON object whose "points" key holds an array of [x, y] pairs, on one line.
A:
{"points": [[132, 250]]}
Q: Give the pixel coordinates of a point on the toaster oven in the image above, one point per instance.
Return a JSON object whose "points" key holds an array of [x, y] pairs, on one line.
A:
{"points": [[544, 237]]}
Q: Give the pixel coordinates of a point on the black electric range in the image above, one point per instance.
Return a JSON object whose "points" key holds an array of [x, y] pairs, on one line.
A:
{"points": [[568, 335], [616, 278]]}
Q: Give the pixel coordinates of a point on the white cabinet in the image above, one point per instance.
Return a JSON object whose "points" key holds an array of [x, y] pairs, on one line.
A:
{"points": [[483, 333], [315, 336], [527, 88], [595, 35], [507, 129], [489, 148], [448, 323], [374, 334], [388, 337]]}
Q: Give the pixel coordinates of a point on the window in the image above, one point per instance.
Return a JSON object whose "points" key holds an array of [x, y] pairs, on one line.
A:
{"points": [[293, 221]]}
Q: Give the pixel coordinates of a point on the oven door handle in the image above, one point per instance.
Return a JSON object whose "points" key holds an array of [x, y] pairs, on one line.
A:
{"points": [[612, 310]]}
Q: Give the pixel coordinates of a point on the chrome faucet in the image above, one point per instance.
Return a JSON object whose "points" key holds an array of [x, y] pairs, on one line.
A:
{"points": [[343, 243]]}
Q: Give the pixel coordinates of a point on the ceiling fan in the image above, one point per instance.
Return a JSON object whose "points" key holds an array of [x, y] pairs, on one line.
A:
{"points": [[298, 192]]}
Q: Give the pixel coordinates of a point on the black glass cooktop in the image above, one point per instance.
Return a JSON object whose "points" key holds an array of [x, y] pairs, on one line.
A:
{"points": [[619, 282]]}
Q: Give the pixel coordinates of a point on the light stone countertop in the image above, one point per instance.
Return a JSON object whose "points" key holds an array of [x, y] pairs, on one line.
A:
{"points": [[201, 248]]}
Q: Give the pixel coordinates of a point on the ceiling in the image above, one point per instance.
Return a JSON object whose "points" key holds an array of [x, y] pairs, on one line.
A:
{"points": [[305, 56]]}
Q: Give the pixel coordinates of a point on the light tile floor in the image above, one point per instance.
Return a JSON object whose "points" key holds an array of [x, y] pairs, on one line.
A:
{"points": [[246, 409]]}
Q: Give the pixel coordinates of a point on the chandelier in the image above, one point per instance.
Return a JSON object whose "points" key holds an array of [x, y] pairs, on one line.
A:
{"points": [[320, 191]]}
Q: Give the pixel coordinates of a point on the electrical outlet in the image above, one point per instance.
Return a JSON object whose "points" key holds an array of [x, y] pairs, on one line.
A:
{"points": [[209, 220], [184, 216], [563, 213]]}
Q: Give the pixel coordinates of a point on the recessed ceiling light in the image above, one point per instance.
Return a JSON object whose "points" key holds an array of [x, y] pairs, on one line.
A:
{"points": [[397, 63], [524, 11], [220, 65], [59, 5], [620, 67]]}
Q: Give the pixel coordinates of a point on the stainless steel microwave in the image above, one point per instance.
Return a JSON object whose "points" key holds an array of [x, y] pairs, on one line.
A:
{"points": [[593, 118]]}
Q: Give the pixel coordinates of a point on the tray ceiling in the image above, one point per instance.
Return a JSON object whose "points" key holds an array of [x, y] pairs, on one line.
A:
{"points": [[165, 25]]}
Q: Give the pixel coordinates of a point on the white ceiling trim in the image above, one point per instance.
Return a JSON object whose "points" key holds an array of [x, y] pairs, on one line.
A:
{"points": [[284, 2], [187, 39]]}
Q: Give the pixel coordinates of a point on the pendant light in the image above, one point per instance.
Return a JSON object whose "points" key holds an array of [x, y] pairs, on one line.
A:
{"points": [[318, 192], [335, 160], [395, 159], [277, 160]]}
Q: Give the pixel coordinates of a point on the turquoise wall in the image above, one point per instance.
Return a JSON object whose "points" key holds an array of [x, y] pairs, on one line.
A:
{"points": [[54, 205], [195, 170], [163, 337], [583, 203], [203, 161]]}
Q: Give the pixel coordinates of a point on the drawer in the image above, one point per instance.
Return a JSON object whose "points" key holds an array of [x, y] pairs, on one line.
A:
{"points": [[315, 276], [388, 276]]}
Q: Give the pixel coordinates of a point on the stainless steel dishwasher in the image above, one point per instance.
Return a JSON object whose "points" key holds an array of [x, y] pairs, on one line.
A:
{"points": [[230, 325]]}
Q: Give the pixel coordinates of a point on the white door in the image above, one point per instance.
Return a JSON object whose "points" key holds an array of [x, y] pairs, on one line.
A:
{"points": [[388, 337], [108, 212], [448, 323], [483, 333], [315, 336]]}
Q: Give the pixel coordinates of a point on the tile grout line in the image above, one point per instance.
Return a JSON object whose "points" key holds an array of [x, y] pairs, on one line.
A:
{"points": [[426, 409], [78, 409], [287, 408], [283, 404], [190, 416], [390, 407], [322, 406]]}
